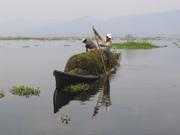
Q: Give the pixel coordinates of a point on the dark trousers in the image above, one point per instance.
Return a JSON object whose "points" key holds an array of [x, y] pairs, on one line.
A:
{"points": [[107, 56]]}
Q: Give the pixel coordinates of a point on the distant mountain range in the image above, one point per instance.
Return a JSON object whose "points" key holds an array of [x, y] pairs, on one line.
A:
{"points": [[166, 23]]}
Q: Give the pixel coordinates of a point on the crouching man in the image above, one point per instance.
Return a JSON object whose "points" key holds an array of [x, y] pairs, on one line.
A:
{"points": [[89, 44]]}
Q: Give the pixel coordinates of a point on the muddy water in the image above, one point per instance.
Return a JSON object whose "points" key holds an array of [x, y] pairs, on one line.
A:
{"points": [[143, 98]]}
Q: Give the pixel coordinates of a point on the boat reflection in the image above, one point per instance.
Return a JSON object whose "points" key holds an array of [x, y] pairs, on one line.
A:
{"points": [[102, 87], [103, 98]]}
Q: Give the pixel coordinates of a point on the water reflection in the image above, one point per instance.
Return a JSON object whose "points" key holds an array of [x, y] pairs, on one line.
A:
{"points": [[103, 98], [102, 87]]}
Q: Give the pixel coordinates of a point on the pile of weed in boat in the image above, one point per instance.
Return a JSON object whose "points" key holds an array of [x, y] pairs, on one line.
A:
{"points": [[90, 63], [133, 45], [24, 91]]}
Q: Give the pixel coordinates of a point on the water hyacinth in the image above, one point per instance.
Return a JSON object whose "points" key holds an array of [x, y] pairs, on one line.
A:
{"points": [[2, 94], [65, 119], [24, 91]]}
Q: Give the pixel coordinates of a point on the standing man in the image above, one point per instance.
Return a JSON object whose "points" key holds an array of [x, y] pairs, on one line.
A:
{"points": [[107, 41], [105, 44]]}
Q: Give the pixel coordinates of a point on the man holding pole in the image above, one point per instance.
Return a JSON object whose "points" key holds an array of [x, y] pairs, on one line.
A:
{"points": [[106, 43]]}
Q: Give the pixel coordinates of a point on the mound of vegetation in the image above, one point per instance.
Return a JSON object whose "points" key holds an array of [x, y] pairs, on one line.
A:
{"points": [[2, 94], [133, 45], [90, 63], [24, 91]]}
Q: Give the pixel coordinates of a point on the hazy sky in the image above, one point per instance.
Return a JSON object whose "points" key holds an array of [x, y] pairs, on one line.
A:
{"points": [[69, 9]]}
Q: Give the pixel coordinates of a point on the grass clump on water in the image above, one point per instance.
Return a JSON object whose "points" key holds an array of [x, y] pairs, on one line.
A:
{"points": [[133, 45], [75, 88], [24, 91], [65, 119], [2, 94]]}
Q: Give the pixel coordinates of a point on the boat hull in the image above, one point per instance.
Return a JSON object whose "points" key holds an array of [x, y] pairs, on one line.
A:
{"points": [[63, 79]]}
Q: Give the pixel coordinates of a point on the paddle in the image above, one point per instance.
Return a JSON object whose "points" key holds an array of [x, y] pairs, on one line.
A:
{"points": [[96, 33], [96, 38]]}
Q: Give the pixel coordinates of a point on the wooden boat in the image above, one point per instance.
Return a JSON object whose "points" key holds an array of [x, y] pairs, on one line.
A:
{"points": [[85, 68], [63, 78]]}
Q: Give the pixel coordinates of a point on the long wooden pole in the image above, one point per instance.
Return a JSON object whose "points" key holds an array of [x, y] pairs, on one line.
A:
{"points": [[102, 59]]}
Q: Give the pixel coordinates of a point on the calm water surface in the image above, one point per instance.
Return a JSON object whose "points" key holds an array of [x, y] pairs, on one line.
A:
{"points": [[144, 93]]}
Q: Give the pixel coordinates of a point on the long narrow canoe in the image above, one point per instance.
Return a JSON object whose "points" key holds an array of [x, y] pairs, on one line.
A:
{"points": [[63, 78]]}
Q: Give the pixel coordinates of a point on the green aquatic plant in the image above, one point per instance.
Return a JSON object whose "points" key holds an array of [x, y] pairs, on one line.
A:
{"points": [[2, 94], [75, 88], [24, 91], [65, 119], [90, 63], [133, 45]]}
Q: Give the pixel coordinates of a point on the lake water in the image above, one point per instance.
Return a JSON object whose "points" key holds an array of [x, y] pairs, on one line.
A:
{"points": [[144, 96]]}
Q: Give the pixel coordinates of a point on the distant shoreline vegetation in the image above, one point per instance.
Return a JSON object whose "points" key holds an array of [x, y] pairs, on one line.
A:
{"points": [[134, 45], [127, 38], [42, 38]]}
